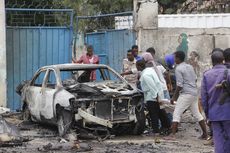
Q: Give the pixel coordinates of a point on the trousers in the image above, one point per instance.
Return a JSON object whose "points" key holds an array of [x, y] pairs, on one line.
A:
{"points": [[157, 114], [221, 136]]}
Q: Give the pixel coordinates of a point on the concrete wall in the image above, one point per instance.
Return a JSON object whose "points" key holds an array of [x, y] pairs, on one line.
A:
{"points": [[201, 40], [2, 55], [165, 40]]}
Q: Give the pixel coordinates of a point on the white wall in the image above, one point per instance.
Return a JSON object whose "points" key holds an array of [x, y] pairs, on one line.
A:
{"points": [[194, 20], [2, 54], [165, 41], [181, 21]]}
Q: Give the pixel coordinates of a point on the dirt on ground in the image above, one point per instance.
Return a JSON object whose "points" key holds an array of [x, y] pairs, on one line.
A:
{"points": [[44, 138]]}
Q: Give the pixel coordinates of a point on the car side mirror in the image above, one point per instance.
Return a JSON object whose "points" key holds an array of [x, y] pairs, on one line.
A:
{"points": [[20, 86]]}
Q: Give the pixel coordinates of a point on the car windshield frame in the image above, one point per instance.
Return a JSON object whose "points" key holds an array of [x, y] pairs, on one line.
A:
{"points": [[103, 70]]}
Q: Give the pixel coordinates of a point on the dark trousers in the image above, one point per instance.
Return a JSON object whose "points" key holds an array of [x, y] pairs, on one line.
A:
{"points": [[165, 121], [157, 114]]}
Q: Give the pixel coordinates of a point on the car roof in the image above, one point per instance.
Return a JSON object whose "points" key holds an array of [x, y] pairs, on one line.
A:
{"points": [[74, 66]]}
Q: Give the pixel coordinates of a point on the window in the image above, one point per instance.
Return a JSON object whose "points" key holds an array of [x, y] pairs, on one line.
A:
{"points": [[68, 77], [106, 74], [39, 79], [51, 80], [73, 76]]}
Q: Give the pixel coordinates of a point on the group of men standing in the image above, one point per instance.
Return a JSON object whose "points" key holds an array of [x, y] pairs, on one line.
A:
{"points": [[215, 92], [153, 79]]}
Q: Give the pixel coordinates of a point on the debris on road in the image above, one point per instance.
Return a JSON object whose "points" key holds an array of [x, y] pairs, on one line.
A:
{"points": [[4, 110], [43, 138], [8, 131], [10, 135], [75, 146]]}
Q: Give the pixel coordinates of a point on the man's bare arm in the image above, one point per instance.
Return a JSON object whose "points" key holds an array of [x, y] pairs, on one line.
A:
{"points": [[176, 94]]}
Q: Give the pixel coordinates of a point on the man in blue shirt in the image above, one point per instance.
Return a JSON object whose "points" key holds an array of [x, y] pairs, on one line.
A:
{"points": [[217, 109], [168, 61], [135, 52]]}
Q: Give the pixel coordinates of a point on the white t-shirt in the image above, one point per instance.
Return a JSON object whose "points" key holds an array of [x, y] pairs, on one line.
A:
{"points": [[91, 60]]}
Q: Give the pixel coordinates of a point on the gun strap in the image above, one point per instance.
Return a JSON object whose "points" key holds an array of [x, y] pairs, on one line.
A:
{"points": [[226, 74], [226, 89]]}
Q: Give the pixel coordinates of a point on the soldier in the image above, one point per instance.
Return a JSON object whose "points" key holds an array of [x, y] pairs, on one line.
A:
{"points": [[216, 101]]}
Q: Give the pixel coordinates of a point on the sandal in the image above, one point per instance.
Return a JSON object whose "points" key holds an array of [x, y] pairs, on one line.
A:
{"points": [[202, 137]]}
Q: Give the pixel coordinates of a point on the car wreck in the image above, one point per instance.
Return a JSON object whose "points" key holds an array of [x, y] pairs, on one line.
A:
{"points": [[88, 95]]}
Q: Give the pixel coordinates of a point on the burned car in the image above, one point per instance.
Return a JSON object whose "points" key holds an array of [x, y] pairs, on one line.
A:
{"points": [[91, 95]]}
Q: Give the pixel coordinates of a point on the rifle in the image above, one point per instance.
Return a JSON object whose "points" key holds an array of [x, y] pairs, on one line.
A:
{"points": [[226, 88]]}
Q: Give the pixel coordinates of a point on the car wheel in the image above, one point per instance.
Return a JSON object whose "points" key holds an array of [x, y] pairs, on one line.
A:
{"points": [[26, 116], [121, 129], [64, 121], [139, 126]]}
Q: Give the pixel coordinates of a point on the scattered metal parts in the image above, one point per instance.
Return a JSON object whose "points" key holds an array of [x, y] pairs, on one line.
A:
{"points": [[97, 133], [11, 143], [94, 119], [4, 110], [63, 140]]}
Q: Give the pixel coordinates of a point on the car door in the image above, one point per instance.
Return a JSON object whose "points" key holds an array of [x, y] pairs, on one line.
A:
{"points": [[34, 94], [48, 93]]}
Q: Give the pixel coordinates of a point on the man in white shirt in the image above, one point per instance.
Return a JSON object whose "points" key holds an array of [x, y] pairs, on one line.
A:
{"points": [[166, 81], [152, 89]]}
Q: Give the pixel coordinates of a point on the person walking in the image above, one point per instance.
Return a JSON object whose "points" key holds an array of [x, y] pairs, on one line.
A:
{"points": [[216, 100], [210, 138], [186, 94]]}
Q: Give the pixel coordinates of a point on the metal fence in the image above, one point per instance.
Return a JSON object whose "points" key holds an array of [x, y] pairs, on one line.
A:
{"points": [[35, 38], [110, 38], [39, 17], [102, 22]]}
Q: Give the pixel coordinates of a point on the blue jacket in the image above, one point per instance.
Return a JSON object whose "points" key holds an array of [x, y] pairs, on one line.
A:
{"points": [[210, 94]]}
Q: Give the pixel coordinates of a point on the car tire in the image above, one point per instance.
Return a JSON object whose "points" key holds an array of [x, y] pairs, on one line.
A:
{"points": [[139, 126], [26, 116], [121, 129], [64, 122]]}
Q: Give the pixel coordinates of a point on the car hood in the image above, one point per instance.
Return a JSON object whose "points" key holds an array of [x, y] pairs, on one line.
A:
{"points": [[102, 88]]}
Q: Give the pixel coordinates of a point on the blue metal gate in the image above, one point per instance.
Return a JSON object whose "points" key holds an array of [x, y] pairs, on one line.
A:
{"points": [[30, 47], [111, 46]]}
